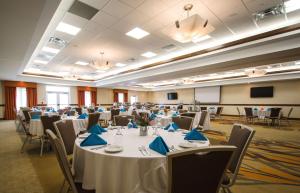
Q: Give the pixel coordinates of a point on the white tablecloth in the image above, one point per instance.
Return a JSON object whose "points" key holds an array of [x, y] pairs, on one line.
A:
{"points": [[128, 171], [36, 126]]}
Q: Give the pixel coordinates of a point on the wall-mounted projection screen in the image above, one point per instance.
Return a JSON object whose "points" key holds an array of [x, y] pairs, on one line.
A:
{"points": [[208, 94]]}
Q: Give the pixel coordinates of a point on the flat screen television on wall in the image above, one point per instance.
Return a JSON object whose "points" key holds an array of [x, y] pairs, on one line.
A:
{"points": [[261, 92], [172, 96]]}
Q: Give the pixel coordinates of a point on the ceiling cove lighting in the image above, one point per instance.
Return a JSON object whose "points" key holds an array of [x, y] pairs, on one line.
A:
{"points": [[291, 5], [200, 38], [40, 61], [50, 50], [149, 54], [137, 33], [100, 71], [67, 28], [82, 63], [120, 64], [192, 27]]}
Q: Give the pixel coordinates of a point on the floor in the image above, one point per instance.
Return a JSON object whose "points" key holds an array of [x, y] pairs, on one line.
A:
{"points": [[272, 163]]}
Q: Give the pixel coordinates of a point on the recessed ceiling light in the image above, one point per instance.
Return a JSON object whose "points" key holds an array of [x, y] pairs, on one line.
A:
{"points": [[291, 5], [148, 54], [100, 71], [40, 61], [120, 64], [67, 28], [50, 50], [82, 63], [137, 33], [200, 38]]}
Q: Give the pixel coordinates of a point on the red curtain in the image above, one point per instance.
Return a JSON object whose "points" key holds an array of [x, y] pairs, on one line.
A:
{"points": [[10, 103], [125, 97], [81, 98], [116, 97], [31, 97], [94, 97]]}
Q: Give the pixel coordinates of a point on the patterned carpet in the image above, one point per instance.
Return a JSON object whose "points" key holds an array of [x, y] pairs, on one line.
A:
{"points": [[266, 161]]}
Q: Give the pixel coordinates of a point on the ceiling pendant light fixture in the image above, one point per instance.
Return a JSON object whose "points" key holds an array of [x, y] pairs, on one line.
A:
{"points": [[101, 64], [191, 29]]}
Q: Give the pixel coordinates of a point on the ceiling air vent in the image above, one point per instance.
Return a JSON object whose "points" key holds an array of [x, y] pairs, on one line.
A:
{"points": [[169, 47], [273, 11], [83, 10]]}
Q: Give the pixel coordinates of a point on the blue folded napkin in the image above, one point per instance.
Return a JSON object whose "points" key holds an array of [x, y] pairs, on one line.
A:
{"points": [[97, 129], [93, 139], [35, 116], [160, 113], [132, 124], [100, 110], [82, 116], [174, 114], [172, 127], [123, 110], [152, 116], [159, 145], [195, 135]]}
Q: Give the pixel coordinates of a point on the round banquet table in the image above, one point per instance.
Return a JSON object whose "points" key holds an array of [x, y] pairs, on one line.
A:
{"points": [[128, 171], [36, 126]]}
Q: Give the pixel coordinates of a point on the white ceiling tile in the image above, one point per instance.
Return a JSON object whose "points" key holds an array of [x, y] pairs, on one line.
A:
{"points": [[152, 8], [117, 9], [136, 17], [104, 19], [74, 20], [133, 3], [98, 4]]}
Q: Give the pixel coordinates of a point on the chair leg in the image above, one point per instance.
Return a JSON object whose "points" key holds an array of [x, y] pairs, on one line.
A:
{"points": [[42, 146], [22, 148]]}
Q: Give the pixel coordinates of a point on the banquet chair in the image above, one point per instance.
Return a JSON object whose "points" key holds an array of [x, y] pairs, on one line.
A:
{"points": [[249, 115], [91, 110], [182, 111], [239, 113], [203, 108], [198, 169], [122, 120], [287, 118], [183, 122], [48, 123], [62, 159], [240, 137], [274, 116], [155, 111], [78, 110], [190, 109], [65, 131], [26, 115], [93, 119], [114, 112], [29, 136], [188, 115], [202, 120], [218, 113], [71, 113]]}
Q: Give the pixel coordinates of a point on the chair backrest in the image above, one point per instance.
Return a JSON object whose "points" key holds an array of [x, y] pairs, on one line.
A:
{"points": [[26, 115], [275, 112], [219, 110], [91, 110], [114, 112], [238, 110], [188, 115], [155, 111], [248, 112], [48, 122], [182, 111], [65, 131], [183, 122], [78, 110], [62, 159], [203, 108], [290, 112], [202, 118], [71, 113], [240, 137], [198, 169], [22, 124], [122, 120], [93, 119]]}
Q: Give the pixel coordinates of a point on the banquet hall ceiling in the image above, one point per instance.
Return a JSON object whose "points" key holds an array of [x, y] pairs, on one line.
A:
{"points": [[106, 32]]}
